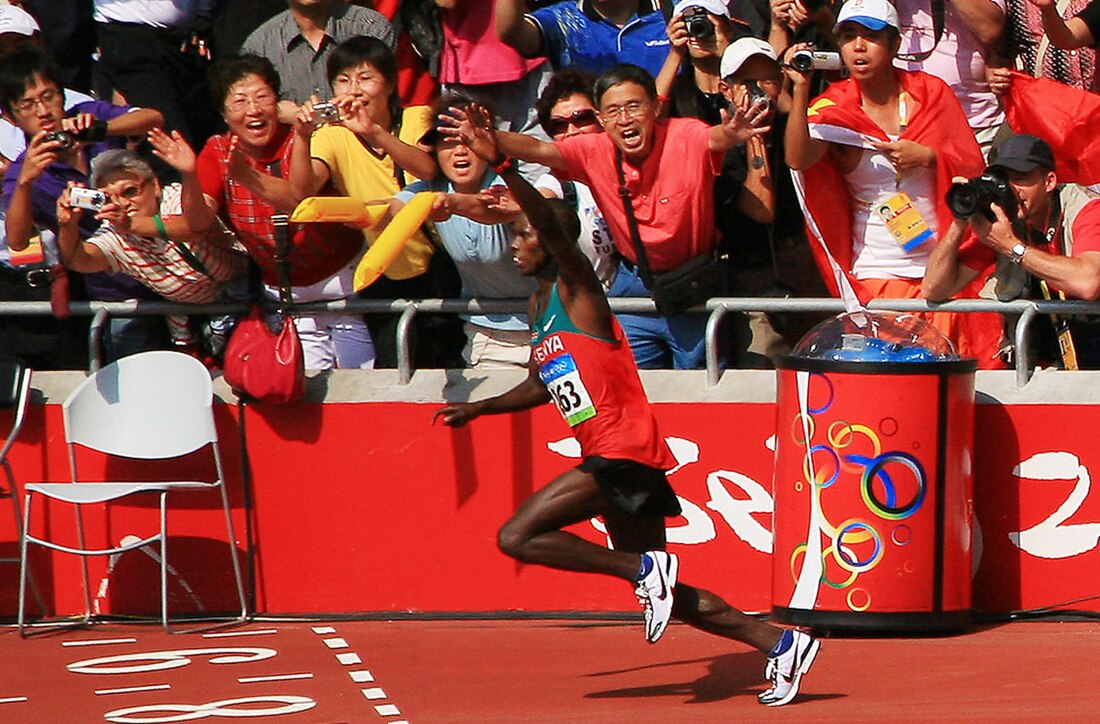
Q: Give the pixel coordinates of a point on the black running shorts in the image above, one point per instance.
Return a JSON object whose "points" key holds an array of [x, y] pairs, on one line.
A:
{"points": [[638, 489]]}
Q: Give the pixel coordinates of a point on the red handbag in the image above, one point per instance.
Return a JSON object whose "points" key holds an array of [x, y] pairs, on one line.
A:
{"points": [[265, 366]]}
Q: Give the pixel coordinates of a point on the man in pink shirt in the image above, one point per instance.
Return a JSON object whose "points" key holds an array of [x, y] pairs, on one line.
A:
{"points": [[669, 167]]}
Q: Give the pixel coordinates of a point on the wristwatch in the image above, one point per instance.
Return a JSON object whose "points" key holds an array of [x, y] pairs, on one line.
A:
{"points": [[1016, 253]]}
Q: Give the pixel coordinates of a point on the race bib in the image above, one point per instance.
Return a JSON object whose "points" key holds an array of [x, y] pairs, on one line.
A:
{"points": [[563, 380], [904, 221]]}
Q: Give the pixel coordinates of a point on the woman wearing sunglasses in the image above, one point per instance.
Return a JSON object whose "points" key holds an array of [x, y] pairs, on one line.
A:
{"points": [[188, 258], [566, 109]]}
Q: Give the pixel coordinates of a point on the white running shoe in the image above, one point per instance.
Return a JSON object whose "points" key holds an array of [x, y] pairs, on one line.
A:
{"points": [[654, 592], [785, 670]]}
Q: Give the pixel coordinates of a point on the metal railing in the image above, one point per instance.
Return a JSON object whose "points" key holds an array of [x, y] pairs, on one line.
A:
{"points": [[717, 308]]}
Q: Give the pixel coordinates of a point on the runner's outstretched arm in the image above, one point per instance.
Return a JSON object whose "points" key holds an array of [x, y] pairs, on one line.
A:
{"points": [[527, 394]]}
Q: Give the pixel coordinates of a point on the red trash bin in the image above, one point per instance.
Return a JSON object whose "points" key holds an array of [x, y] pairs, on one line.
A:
{"points": [[873, 494]]}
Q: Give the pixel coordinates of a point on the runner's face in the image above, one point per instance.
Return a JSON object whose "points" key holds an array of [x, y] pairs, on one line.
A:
{"points": [[250, 112], [628, 114], [867, 53], [527, 252]]}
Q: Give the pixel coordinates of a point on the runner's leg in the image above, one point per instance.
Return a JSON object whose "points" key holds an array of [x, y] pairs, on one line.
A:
{"points": [[533, 534], [694, 606]]}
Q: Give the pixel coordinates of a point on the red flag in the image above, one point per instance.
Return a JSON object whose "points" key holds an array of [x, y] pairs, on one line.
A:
{"points": [[1067, 118]]}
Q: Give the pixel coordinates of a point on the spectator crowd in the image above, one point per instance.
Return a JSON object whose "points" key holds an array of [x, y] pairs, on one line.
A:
{"points": [[931, 149]]}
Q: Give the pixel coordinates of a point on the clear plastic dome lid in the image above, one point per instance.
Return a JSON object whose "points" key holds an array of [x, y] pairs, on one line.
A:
{"points": [[876, 337]]}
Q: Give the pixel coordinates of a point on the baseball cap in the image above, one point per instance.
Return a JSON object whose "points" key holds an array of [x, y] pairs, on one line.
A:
{"points": [[871, 14], [739, 51], [17, 20], [1022, 153], [714, 7]]}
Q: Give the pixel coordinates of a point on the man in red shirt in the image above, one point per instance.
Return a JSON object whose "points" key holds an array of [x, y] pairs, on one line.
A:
{"points": [[580, 361], [669, 166]]}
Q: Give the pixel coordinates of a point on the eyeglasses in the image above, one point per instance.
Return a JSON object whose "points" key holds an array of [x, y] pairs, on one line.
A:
{"points": [[633, 109], [131, 190], [238, 104], [581, 119], [26, 105]]}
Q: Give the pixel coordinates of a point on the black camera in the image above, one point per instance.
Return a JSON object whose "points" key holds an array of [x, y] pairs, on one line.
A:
{"points": [[698, 24], [65, 139], [978, 194]]}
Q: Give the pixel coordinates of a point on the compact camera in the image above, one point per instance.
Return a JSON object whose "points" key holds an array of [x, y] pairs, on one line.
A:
{"points": [[697, 23], [90, 199], [809, 59], [326, 113], [977, 194], [758, 95], [65, 139]]}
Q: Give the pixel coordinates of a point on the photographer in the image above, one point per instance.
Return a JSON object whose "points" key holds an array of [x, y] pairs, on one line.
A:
{"points": [[1047, 246]]}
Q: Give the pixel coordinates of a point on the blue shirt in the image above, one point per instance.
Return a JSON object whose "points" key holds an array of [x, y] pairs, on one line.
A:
{"points": [[572, 37], [483, 255]]}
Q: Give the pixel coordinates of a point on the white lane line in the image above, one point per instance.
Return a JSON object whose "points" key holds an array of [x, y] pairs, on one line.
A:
{"points": [[227, 634], [361, 677], [13, 700], [387, 710], [131, 689], [273, 677], [336, 643], [321, 630], [374, 693], [349, 659], [97, 642]]}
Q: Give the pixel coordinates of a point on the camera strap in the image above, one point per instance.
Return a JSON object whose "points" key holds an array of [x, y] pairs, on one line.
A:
{"points": [[937, 33], [635, 238], [1057, 241]]}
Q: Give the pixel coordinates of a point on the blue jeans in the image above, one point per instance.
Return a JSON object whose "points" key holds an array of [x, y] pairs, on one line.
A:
{"points": [[659, 342]]}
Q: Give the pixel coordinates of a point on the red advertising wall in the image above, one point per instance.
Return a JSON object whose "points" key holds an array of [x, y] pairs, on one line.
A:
{"points": [[368, 507]]}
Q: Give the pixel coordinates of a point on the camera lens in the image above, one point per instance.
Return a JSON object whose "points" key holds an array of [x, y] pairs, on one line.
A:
{"points": [[803, 60], [962, 199]]}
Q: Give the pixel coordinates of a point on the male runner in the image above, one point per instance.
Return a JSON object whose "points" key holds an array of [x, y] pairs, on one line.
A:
{"points": [[581, 360]]}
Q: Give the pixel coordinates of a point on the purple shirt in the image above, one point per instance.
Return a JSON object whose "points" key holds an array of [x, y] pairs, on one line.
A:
{"points": [[49, 186]]}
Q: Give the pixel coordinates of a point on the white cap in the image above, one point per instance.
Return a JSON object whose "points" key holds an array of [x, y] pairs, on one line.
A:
{"points": [[739, 51], [872, 14], [17, 20], [714, 7]]}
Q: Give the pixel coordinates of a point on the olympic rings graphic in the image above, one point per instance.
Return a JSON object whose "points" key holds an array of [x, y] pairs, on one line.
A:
{"points": [[831, 551], [845, 559], [230, 708], [889, 509], [841, 434], [858, 608], [901, 535], [828, 399], [796, 429], [817, 477]]}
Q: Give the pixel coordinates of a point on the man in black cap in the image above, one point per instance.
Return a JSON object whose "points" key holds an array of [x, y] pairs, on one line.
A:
{"points": [[1047, 247]]}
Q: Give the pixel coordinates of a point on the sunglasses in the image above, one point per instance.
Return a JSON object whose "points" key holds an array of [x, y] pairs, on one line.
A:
{"points": [[580, 119]]}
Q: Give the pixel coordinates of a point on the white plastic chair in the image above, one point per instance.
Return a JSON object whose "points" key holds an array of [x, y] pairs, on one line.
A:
{"points": [[149, 406]]}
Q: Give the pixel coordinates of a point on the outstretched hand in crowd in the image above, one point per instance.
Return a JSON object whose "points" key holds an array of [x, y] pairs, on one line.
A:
{"points": [[173, 149], [473, 126]]}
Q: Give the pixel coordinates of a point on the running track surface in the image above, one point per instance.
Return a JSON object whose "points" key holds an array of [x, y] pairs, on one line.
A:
{"points": [[424, 672]]}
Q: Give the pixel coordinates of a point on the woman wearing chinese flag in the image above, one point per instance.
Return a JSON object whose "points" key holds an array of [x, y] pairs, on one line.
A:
{"points": [[872, 158]]}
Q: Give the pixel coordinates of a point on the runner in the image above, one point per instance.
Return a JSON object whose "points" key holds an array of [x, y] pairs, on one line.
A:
{"points": [[580, 359]]}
